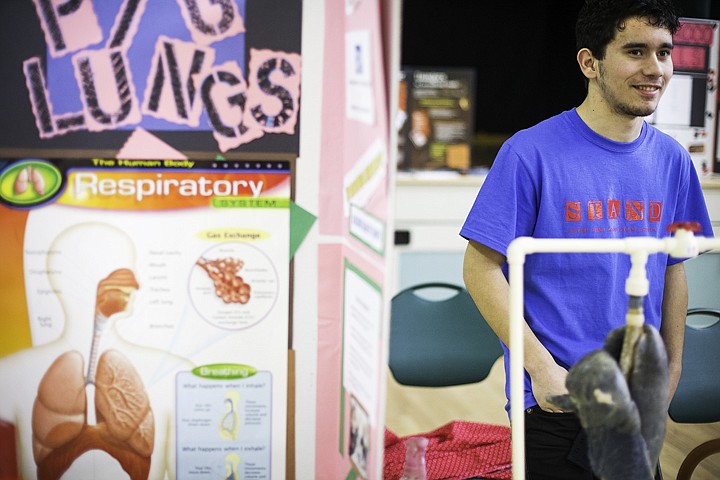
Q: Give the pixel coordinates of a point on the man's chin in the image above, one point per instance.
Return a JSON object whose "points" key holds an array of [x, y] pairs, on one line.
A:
{"points": [[639, 111]]}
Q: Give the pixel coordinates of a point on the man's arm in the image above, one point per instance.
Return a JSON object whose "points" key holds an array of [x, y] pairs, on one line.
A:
{"points": [[672, 329], [484, 280]]}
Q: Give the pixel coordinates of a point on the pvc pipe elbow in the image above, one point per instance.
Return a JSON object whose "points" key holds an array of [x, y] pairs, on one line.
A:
{"points": [[518, 249], [683, 244]]}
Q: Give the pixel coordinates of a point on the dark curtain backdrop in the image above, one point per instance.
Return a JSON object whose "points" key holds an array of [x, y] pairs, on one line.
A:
{"points": [[523, 52]]}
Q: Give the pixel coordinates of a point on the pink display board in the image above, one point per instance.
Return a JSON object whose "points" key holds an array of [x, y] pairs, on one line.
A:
{"points": [[355, 171]]}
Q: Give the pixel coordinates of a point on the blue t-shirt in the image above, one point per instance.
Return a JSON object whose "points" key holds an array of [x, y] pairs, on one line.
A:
{"points": [[560, 179]]}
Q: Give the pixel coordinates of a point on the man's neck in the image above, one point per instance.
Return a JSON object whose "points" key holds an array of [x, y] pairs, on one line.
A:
{"points": [[611, 125]]}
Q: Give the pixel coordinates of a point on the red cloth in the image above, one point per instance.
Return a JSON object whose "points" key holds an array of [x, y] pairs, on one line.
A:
{"points": [[457, 450]]}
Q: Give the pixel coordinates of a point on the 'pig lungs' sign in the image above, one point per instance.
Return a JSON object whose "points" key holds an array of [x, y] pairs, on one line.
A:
{"points": [[161, 65]]}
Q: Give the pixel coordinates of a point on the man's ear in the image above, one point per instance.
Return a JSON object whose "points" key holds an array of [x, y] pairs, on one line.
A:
{"points": [[587, 62]]}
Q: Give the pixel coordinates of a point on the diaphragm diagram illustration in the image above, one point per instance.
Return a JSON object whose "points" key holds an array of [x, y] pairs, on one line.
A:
{"points": [[231, 467], [230, 421]]}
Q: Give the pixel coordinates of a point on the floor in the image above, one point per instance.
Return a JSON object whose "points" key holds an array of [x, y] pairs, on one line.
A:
{"points": [[412, 410]]}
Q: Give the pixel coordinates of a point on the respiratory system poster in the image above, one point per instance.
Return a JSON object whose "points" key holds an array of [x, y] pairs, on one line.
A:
{"points": [[145, 318]]}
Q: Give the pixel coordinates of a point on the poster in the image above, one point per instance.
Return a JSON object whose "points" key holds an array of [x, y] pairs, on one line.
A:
{"points": [[201, 76], [145, 316], [437, 128]]}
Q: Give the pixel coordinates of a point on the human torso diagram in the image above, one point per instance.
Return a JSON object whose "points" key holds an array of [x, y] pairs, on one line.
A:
{"points": [[90, 401], [121, 422], [98, 393]]}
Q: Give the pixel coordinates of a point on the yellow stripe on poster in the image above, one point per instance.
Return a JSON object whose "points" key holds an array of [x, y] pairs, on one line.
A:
{"points": [[13, 304]]}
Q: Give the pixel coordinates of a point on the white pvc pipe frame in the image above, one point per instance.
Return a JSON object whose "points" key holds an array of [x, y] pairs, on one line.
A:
{"points": [[684, 244]]}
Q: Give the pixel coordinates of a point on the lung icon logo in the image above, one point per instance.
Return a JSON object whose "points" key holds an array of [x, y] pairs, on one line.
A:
{"points": [[29, 182]]}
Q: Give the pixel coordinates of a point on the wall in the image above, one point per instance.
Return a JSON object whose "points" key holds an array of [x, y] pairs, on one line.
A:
{"points": [[432, 212]]}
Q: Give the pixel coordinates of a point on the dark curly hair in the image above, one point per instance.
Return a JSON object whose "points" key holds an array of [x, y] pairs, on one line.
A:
{"points": [[599, 20]]}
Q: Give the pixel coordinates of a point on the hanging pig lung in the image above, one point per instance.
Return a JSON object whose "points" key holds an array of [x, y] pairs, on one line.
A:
{"points": [[625, 421]]}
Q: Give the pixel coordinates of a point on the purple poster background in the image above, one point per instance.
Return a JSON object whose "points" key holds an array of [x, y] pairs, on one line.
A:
{"points": [[269, 26]]}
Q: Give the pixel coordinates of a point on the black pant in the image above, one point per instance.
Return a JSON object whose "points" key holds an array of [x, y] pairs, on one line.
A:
{"points": [[556, 447]]}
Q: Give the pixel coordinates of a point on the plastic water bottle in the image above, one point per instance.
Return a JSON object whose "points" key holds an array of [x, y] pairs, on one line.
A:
{"points": [[414, 467]]}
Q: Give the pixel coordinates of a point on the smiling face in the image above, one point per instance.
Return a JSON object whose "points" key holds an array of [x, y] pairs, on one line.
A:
{"points": [[636, 69]]}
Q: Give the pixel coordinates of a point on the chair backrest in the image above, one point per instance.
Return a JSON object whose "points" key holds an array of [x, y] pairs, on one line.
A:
{"points": [[703, 273], [443, 342], [697, 399]]}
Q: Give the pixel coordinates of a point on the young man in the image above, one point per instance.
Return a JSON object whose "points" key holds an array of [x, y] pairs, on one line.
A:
{"points": [[596, 171]]}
